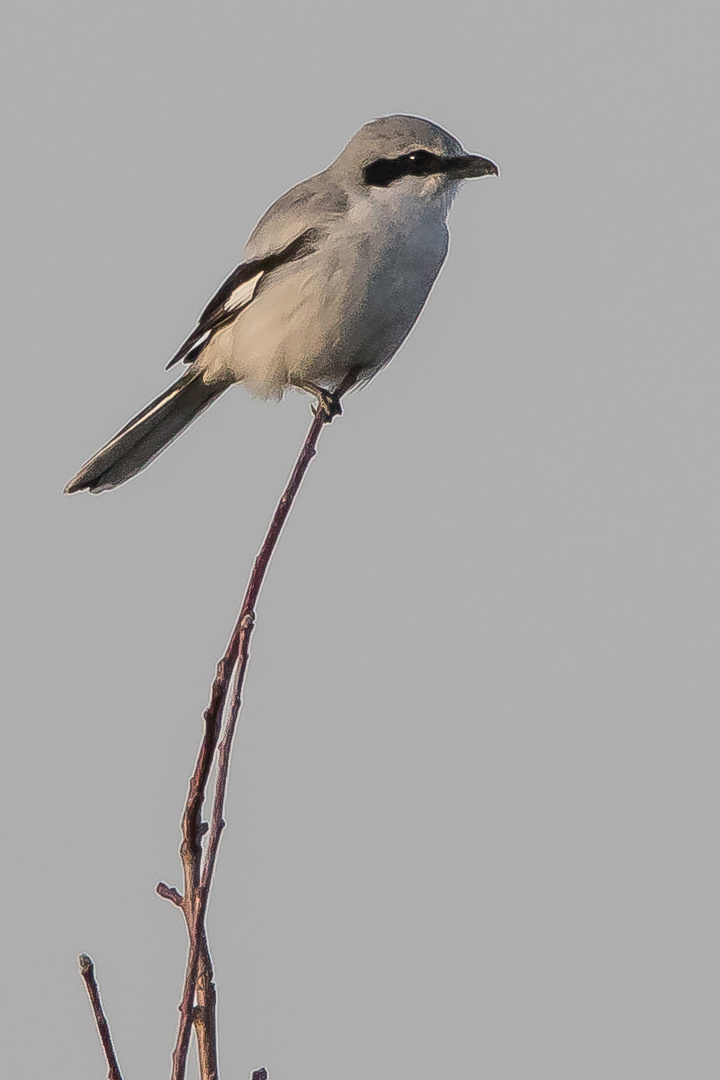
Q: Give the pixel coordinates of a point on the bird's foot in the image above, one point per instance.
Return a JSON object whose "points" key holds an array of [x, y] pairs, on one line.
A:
{"points": [[328, 405], [328, 401]]}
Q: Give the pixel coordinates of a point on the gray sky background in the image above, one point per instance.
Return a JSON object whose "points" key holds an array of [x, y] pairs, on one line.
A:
{"points": [[473, 820]]}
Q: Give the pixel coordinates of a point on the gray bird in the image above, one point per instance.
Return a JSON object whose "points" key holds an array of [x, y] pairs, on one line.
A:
{"points": [[334, 276]]}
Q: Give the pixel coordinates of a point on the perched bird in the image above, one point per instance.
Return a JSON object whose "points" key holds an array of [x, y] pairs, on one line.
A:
{"points": [[335, 274]]}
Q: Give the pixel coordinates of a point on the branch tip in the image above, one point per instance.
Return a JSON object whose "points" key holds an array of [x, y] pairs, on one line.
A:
{"points": [[87, 970], [169, 892]]}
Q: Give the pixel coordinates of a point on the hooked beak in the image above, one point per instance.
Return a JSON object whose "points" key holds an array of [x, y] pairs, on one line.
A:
{"points": [[469, 165]]}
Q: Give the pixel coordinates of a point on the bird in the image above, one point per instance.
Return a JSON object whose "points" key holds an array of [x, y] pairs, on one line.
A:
{"points": [[333, 278]]}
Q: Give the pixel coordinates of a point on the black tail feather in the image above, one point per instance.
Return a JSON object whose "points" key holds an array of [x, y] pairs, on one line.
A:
{"points": [[146, 435]]}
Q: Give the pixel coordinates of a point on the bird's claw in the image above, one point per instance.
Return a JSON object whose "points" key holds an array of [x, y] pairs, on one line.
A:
{"points": [[328, 405]]}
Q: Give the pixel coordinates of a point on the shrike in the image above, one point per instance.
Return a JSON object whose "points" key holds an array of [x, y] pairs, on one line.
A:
{"points": [[335, 274]]}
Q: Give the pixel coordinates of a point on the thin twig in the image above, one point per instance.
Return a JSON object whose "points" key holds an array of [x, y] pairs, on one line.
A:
{"points": [[198, 1001], [87, 970]]}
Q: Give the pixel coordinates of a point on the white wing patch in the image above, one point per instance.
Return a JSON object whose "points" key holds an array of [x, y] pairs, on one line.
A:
{"points": [[242, 296]]}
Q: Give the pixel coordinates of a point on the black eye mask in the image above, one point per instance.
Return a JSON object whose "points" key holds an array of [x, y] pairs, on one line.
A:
{"points": [[384, 171]]}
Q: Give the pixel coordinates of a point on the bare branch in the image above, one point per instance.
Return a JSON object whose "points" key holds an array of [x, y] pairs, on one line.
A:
{"points": [[204, 1015], [197, 1006], [87, 970]]}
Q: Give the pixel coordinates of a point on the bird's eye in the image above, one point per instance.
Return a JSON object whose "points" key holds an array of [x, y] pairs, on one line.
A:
{"points": [[421, 161]]}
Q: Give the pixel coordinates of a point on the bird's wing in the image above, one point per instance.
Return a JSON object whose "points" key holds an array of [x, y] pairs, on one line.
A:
{"points": [[238, 290]]}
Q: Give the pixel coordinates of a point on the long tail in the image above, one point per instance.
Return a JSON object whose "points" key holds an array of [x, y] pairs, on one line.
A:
{"points": [[146, 435]]}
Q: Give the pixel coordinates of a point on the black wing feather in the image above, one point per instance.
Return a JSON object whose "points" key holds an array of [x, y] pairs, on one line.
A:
{"points": [[214, 315]]}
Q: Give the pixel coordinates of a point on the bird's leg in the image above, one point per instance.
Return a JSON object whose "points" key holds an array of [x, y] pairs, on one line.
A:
{"points": [[328, 401]]}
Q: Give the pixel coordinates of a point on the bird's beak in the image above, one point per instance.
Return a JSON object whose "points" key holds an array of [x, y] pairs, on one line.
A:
{"points": [[468, 165]]}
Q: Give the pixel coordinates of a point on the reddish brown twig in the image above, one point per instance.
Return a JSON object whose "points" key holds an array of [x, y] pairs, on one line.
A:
{"points": [[87, 970], [197, 1006]]}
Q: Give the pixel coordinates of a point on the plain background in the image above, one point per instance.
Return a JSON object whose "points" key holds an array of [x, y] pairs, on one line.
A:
{"points": [[473, 819]]}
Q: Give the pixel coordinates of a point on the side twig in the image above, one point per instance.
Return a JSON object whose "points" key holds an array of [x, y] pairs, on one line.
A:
{"points": [[197, 1005], [87, 970]]}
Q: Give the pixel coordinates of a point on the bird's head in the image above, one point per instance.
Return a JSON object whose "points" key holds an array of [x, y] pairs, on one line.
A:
{"points": [[408, 155]]}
